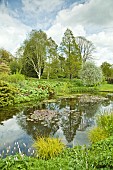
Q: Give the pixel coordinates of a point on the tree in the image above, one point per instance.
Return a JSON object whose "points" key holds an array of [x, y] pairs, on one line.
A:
{"points": [[86, 48], [52, 57], [34, 51], [15, 66], [5, 56], [91, 74], [107, 69], [69, 49]]}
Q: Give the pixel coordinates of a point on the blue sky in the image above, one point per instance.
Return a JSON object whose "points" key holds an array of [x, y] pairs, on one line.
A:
{"points": [[90, 18]]}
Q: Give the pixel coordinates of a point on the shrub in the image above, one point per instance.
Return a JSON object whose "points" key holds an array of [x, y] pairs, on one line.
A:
{"points": [[7, 94], [97, 134], [90, 74], [104, 128], [101, 154], [4, 76], [105, 121], [47, 147], [16, 78]]}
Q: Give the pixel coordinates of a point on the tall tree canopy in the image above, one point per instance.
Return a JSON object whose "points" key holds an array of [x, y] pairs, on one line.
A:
{"points": [[51, 58], [86, 48], [70, 50], [107, 69], [34, 51]]}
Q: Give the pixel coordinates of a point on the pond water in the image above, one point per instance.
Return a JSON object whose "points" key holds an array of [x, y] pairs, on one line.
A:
{"points": [[71, 124]]}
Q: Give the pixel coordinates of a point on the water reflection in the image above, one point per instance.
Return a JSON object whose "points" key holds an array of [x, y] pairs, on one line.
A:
{"points": [[70, 124]]}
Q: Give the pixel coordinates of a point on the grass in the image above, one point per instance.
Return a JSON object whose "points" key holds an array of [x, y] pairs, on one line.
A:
{"points": [[47, 147], [106, 88]]}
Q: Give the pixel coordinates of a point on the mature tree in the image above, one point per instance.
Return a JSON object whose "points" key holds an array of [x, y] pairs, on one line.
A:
{"points": [[52, 57], [62, 70], [91, 74], [69, 49], [107, 69], [86, 48], [34, 51]]}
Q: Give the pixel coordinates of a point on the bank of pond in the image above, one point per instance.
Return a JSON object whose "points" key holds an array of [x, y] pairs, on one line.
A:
{"points": [[76, 130]]}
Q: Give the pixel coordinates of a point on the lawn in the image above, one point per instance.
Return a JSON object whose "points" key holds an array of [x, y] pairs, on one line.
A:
{"points": [[106, 88]]}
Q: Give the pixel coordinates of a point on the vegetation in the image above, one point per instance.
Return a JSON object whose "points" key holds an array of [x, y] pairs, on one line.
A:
{"points": [[47, 147], [97, 156], [7, 94], [104, 128], [91, 74], [86, 48], [105, 87], [97, 134]]}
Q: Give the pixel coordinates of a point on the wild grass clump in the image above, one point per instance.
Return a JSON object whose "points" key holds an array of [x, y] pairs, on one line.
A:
{"points": [[105, 121], [104, 128], [47, 148], [97, 134]]}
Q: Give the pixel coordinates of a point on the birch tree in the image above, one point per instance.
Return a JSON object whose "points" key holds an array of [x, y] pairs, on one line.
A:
{"points": [[35, 51]]}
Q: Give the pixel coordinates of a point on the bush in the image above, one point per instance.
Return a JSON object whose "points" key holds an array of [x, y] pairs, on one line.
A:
{"points": [[16, 78], [7, 94], [104, 128], [105, 121], [90, 74], [101, 154], [47, 147], [97, 134]]}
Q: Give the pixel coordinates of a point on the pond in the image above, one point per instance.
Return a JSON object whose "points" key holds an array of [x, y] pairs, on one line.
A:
{"points": [[73, 119]]}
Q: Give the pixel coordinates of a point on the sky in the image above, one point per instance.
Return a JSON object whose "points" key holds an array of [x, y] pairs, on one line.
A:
{"points": [[92, 19]]}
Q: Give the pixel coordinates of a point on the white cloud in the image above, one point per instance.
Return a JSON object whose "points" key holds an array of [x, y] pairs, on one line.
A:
{"points": [[94, 20], [37, 6], [12, 31], [57, 31]]}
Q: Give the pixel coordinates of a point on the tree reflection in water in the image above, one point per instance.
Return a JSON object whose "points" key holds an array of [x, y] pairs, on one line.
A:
{"points": [[73, 116]]}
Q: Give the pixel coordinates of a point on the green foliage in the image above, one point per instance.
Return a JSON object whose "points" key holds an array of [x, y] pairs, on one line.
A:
{"points": [[104, 128], [15, 66], [105, 121], [13, 78], [91, 74], [7, 94], [101, 154], [70, 49], [16, 78], [106, 87], [34, 51], [97, 134], [4, 68], [5, 56], [4, 76], [97, 156], [107, 69], [47, 147]]}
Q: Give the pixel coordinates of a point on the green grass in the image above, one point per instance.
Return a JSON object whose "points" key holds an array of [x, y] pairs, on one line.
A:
{"points": [[106, 88]]}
